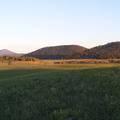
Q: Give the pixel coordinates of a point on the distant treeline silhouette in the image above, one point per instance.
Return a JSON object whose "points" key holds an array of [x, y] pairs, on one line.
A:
{"points": [[9, 58]]}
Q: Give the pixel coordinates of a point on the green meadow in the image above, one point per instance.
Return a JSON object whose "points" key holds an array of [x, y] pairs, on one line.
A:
{"points": [[60, 92]]}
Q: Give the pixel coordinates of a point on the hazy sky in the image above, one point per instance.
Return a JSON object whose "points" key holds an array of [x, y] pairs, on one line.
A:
{"points": [[27, 25]]}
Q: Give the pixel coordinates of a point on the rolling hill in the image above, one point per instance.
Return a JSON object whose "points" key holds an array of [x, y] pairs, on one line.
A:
{"points": [[107, 51], [58, 52], [5, 52]]}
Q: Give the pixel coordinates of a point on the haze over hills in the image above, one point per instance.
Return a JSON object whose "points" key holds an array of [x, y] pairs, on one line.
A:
{"points": [[5, 52]]}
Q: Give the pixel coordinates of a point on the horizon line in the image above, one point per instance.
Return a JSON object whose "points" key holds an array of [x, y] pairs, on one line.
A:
{"points": [[57, 46]]}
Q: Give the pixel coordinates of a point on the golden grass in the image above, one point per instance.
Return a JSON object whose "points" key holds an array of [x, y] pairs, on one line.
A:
{"points": [[49, 64]]}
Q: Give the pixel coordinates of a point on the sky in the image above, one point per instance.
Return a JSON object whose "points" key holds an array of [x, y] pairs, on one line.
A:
{"points": [[27, 25]]}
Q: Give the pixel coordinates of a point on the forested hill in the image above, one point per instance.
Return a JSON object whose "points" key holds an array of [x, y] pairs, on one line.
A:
{"points": [[58, 52], [107, 51]]}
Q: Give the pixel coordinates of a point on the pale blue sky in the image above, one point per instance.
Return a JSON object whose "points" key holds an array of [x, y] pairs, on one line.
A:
{"points": [[27, 25]]}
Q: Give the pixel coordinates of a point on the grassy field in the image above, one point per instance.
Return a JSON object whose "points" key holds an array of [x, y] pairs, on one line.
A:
{"points": [[60, 92]]}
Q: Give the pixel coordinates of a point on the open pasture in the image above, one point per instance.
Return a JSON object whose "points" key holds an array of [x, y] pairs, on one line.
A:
{"points": [[59, 92]]}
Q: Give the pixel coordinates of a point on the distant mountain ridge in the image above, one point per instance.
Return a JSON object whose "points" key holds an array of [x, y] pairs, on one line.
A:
{"points": [[107, 51], [6, 52]]}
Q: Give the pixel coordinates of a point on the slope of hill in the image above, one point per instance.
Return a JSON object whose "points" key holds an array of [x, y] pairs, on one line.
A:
{"points": [[58, 52], [107, 51], [5, 52]]}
